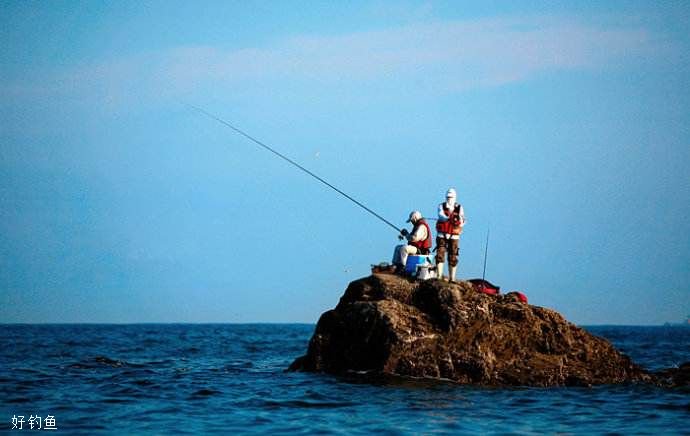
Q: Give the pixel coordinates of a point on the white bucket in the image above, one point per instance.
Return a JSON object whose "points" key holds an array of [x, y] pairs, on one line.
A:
{"points": [[426, 271]]}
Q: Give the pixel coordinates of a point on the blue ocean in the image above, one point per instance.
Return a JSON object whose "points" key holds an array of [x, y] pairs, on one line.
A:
{"points": [[229, 378]]}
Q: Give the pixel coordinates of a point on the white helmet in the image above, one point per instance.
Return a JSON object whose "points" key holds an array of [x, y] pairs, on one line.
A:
{"points": [[451, 193], [414, 216]]}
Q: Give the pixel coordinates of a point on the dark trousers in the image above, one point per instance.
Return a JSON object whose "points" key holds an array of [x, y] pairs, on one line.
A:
{"points": [[452, 246]]}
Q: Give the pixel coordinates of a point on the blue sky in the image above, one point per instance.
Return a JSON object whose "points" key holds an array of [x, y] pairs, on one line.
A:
{"points": [[564, 126]]}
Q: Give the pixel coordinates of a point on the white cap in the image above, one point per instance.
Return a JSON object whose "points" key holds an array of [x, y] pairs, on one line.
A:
{"points": [[414, 216], [451, 193]]}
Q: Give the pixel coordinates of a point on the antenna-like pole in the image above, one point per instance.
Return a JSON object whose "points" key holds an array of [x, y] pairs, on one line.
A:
{"points": [[486, 251]]}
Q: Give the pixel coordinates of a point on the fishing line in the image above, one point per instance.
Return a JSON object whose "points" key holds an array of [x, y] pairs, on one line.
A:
{"points": [[292, 162]]}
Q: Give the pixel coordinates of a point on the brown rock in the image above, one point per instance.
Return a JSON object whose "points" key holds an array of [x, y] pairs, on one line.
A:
{"points": [[674, 377], [386, 324]]}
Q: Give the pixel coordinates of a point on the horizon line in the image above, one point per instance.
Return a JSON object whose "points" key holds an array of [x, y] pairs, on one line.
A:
{"points": [[664, 324]]}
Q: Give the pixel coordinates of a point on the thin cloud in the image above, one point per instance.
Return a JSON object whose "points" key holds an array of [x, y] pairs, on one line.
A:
{"points": [[453, 56], [460, 55]]}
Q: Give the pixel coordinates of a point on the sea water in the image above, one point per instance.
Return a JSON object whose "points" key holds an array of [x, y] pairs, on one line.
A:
{"points": [[225, 378]]}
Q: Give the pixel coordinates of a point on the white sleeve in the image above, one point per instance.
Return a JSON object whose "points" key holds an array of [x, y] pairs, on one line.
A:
{"points": [[419, 235], [441, 215]]}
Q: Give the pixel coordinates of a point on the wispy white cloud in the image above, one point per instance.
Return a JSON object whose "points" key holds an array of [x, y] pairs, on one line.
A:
{"points": [[453, 56], [458, 55]]}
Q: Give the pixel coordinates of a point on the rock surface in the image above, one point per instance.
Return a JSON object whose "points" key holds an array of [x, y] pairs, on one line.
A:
{"points": [[387, 324], [674, 377]]}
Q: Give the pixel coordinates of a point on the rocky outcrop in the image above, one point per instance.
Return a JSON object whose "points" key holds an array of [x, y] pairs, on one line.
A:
{"points": [[387, 324], [674, 377]]}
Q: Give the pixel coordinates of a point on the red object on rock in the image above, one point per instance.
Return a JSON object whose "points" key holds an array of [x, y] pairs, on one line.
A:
{"points": [[521, 296], [485, 286]]}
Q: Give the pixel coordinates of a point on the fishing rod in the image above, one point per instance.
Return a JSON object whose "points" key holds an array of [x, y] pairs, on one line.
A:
{"points": [[292, 162], [486, 250]]}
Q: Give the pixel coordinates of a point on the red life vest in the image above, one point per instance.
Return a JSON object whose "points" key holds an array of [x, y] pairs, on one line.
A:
{"points": [[452, 225], [424, 244]]}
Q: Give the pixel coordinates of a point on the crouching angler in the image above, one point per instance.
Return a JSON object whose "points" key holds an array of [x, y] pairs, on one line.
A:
{"points": [[418, 241], [451, 219]]}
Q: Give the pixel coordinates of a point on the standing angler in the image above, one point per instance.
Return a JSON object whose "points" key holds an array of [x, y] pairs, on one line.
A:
{"points": [[451, 219]]}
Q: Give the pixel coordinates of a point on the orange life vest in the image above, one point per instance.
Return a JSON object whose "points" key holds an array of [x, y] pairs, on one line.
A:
{"points": [[452, 225]]}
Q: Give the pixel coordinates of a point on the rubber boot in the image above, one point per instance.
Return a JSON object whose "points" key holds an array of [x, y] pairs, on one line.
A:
{"points": [[439, 271], [451, 273]]}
